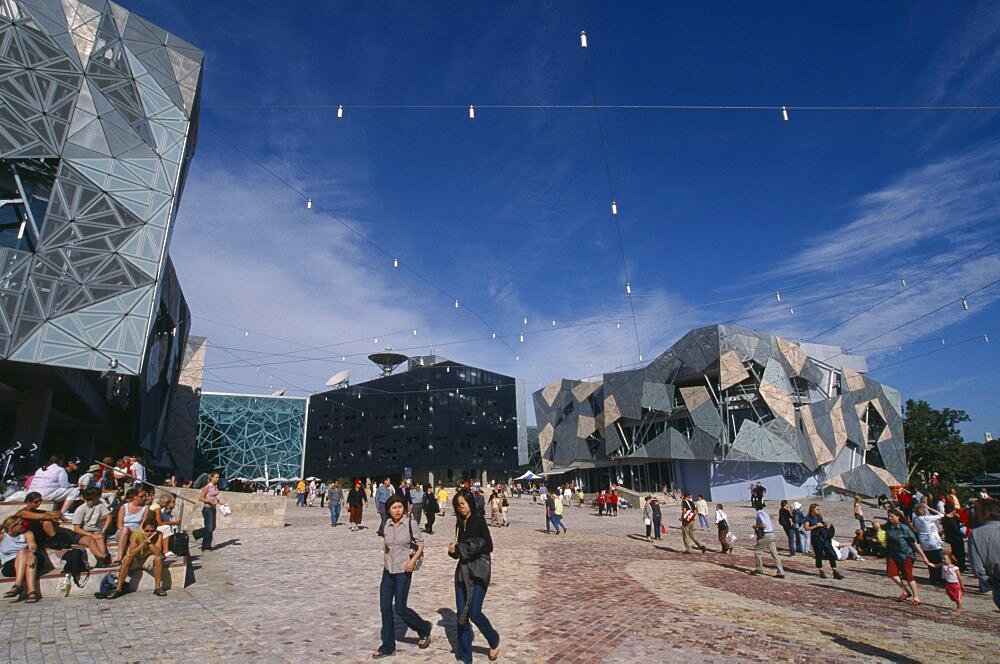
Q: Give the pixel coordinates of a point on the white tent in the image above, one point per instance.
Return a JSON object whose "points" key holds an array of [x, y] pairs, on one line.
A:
{"points": [[529, 476]]}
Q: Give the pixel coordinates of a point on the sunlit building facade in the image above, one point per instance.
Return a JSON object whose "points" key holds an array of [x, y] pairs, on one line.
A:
{"points": [[723, 407]]}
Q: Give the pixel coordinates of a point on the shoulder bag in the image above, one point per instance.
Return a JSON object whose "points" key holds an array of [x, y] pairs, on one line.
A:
{"points": [[414, 545]]}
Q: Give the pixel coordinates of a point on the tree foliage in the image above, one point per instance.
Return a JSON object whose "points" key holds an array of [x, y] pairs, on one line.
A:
{"points": [[934, 444]]}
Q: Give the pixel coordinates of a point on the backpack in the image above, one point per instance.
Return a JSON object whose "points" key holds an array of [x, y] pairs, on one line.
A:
{"points": [[108, 583], [75, 564]]}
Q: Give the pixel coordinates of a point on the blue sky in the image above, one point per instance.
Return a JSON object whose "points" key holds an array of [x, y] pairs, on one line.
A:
{"points": [[509, 212]]}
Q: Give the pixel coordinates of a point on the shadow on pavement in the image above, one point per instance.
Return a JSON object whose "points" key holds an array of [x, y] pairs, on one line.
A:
{"points": [[868, 649], [449, 621], [229, 542]]}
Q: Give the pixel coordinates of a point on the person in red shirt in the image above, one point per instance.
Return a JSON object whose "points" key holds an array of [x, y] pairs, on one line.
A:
{"points": [[600, 504], [613, 503]]}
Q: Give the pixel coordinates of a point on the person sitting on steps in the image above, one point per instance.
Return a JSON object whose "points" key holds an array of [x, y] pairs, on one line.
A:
{"points": [[19, 556], [147, 542]]}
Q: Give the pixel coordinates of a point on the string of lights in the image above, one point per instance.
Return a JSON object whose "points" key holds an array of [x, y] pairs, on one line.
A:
{"points": [[611, 189], [984, 337], [784, 110], [904, 285]]}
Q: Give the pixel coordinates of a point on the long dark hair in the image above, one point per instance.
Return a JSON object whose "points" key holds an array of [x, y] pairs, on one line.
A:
{"points": [[469, 502]]}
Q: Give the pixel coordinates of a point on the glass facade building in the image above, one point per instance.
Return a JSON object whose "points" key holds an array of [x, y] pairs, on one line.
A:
{"points": [[250, 436], [438, 417], [98, 125]]}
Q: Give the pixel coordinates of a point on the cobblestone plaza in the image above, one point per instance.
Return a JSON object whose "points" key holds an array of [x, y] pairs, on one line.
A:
{"points": [[308, 592]]}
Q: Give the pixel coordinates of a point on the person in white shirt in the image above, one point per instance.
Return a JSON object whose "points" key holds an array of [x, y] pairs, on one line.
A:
{"points": [[90, 520], [137, 470], [52, 482]]}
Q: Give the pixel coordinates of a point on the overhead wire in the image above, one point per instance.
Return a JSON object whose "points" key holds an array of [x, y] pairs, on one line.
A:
{"points": [[611, 189]]}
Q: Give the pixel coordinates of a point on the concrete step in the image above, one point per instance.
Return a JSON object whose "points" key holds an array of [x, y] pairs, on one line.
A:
{"points": [[178, 573]]}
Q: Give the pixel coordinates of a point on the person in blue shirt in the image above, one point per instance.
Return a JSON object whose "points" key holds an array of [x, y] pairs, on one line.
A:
{"points": [[819, 534], [382, 494], [901, 545]]}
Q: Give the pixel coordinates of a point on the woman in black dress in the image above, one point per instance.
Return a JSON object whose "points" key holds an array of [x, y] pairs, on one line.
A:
{"points": [[472, 548]]}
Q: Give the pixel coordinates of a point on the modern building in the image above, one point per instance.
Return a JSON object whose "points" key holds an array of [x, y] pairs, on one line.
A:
{"points": [[98, 123], [723, 407], [437, 420], [250, 436]]}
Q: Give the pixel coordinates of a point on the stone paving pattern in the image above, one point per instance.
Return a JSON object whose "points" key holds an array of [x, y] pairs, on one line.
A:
{"points": [[601, 593]]}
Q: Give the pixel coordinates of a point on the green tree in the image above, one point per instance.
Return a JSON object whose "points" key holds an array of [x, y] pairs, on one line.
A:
{"points": [[991, 456], [934, 444]]}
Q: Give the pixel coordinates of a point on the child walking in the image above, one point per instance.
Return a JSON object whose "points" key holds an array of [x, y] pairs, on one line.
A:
{"points": [[952, 580]]}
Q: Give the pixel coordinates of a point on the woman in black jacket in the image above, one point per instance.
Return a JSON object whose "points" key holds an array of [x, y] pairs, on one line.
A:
{"points": [[431, 509], [472, 548]]}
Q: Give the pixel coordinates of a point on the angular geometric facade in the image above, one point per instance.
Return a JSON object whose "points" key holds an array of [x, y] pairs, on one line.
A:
{"points": [[726, 394], [98, 118], [239, 434]]}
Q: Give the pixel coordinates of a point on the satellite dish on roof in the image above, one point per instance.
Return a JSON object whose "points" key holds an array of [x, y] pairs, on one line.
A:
{"points": [[339, 378], [278, 393], [387, 360]]}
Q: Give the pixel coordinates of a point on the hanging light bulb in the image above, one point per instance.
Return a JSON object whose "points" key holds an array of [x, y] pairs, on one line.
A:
{"points": [[517, 357], [942, 341], [414, 331], [903, 281], [375, 340], [583, 39], [472, 112], [340, 111], [494, 334], [525, 320], [777, 295], [456, 303], [309, 203], [246, 333], [784, 113], [899, 349], [427, 386], [553, 323], [522, 337], [986, 338], [965, 304], [791, 310], [343, 358], [614, 207], [640, 357], [258, 369], [395, 262], [618, 326]]}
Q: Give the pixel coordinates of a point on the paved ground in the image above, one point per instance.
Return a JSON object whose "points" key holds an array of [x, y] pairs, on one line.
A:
{"points": [[308, 592]]}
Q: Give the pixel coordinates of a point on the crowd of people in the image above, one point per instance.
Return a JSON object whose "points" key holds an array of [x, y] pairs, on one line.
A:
{"points": [[108, 507]]}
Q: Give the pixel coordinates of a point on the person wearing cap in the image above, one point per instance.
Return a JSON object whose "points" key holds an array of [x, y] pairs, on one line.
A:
{"points": [[764, 529], [799, 519], [89, 479], [356, 501]]}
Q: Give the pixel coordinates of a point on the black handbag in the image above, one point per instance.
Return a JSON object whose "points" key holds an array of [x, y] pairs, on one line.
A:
{"points": [[414, 545], [180, 544]]}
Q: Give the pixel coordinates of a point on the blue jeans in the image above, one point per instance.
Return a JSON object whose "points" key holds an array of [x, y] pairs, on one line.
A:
{"points": [[208, 514], [396, 587], [382, 513], [793, 540], [803, 540], [557, 522], [334, 514], [300, 500], [476, 616], [657, 529], [548, 520], [703, 521]]}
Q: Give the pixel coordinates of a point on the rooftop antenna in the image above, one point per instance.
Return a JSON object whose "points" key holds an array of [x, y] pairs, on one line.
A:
{"points": [[387, 360]]}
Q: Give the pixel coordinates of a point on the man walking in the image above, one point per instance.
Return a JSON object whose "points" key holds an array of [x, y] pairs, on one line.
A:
{"points": [[336, 496], [550, 509], [417, 502], [688, 514], [701, 506], [322, 493], [764, 530], [984, 547], [382, 494]]}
